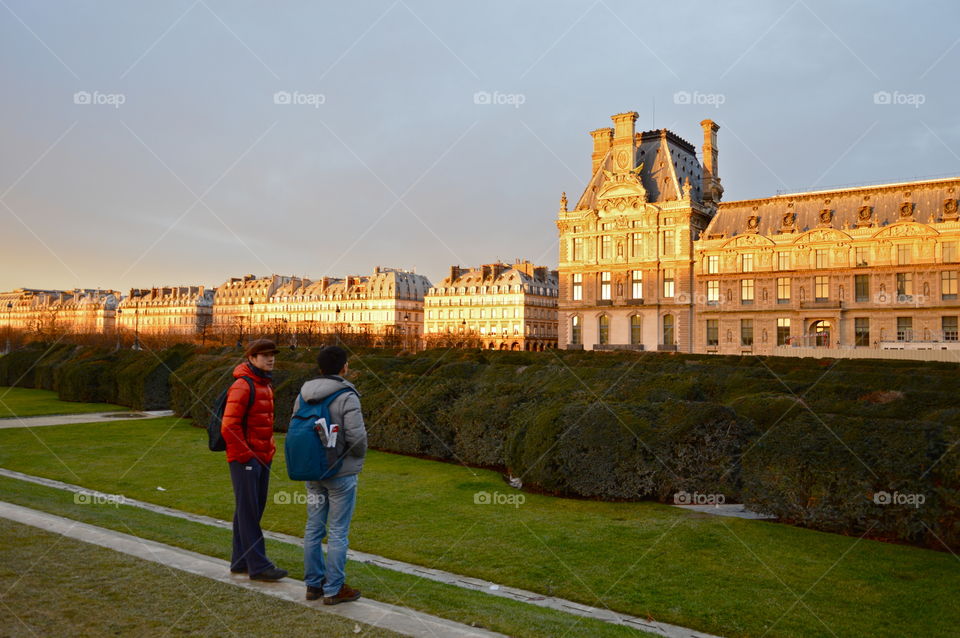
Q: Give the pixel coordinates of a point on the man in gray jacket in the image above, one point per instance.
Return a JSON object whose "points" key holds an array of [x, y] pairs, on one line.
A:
{"points": [[330, 502]]}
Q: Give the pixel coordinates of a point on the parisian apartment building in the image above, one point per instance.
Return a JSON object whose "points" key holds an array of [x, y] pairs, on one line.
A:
{"points": [[170, 310], [496, 306]]}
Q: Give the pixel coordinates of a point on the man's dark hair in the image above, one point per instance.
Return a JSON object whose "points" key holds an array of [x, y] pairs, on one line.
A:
{"points": [[332, 359]]}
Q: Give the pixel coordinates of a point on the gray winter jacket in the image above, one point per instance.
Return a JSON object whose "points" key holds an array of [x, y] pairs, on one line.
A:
{"points": [[345, 410]]}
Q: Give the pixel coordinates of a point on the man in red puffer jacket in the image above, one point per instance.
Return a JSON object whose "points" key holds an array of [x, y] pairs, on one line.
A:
{"points": [[249, 457]]}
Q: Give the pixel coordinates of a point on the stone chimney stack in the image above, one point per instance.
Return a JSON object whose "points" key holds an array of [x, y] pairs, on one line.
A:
{"points": [[624, 140], [712, 190], [454, 273], [602, 141]]}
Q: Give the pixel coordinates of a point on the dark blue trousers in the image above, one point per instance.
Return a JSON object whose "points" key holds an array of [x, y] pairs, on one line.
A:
{"points": [[251, 481]]}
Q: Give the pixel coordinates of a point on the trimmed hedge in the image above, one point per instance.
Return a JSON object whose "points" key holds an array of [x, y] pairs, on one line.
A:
{"points": [[810, 441]]}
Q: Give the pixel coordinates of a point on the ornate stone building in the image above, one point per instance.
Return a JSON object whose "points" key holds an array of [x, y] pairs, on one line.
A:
{"points": [[241, 306], [650, 258], [871, 267], [173, 310], [388, 303], [51, 312], [496, 306], [626, 247]]}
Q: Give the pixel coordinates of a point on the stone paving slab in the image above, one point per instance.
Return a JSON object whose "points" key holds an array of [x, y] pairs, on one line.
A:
{"points": [[370, 612], [437, 575], [73, 419]]}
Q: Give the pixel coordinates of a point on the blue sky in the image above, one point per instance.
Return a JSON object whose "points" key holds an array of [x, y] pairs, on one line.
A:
{"points": [[185, 142]]}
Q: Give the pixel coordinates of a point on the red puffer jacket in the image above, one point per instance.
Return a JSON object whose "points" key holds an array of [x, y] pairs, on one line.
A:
{"points": [[259, 441]]}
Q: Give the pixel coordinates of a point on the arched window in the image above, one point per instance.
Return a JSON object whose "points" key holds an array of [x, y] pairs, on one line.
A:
{"points": [[636, 336], [576, 330], [603, 330], [668, 330]]}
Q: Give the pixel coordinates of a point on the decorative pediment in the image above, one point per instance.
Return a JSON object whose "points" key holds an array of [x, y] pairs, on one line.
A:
{"points": [[822, 235], [905, 229], [748, 240], [622, 184]]}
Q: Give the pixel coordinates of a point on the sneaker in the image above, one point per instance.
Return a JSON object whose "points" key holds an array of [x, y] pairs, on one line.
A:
{"points": [[271, 574], [313, 593], [345, 595], [238, 570]]}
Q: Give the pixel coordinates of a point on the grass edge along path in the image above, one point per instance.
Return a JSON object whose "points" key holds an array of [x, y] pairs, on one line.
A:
{"points": [[26, 402], [461, 605], [56, 585]]}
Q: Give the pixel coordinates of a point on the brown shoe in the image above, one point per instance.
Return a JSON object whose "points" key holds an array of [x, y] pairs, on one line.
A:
{"points": [[345, 595]]}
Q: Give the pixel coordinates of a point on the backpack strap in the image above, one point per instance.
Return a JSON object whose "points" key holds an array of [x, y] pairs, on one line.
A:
{"points": [[329, 399]]}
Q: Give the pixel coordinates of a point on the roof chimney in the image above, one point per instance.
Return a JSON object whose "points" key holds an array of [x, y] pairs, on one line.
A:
{"points": [[711, 188], [624, 140], [454, 273], [602, 141]]}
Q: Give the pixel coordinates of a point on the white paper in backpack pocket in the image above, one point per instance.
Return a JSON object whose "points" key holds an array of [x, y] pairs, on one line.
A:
{"points": [[320, 425]]}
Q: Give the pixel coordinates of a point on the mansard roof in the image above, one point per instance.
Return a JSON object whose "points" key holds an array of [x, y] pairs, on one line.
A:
{"points": [[668, 161], [846, 208]]}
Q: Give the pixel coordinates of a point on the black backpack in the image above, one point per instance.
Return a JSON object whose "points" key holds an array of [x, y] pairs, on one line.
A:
{"points": [[214, 437]]}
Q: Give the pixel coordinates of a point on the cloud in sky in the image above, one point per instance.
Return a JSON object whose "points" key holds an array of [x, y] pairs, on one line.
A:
{"points": [[187, 142]]}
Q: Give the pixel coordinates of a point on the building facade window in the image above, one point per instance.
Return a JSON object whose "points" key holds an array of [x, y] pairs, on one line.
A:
{"points": [[668, 337], [606, 247], [605, 285], [783, 261], [821, 258], [862, 256], [637, 285], [577, 248], [904, 255], [668, 291], [578, 286], [637, 243], [746, 262], [822, 287], [746, 332], [603, 330], [746, 291], [904, 328], [576, 330], [783, 331], [948, 285], [949, 327], [861, 331], [636, 330], [861, 287], [904, 286], [713, 332], [950, 252], [713, 292], [783, 290], [668, 241], [713, 264]]}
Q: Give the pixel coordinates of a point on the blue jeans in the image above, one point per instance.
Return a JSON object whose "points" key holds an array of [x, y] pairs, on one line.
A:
{"points": [[330, 506]]}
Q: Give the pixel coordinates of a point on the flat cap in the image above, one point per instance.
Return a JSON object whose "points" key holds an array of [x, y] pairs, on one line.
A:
{"points": [[261, 346]]}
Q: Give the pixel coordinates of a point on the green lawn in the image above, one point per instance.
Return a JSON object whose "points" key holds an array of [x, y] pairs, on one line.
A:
{"points": [[726, 576], [56, 586], [27, 402]]}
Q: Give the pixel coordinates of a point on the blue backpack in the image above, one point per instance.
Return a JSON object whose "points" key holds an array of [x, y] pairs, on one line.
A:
{"points": [[308, 459]]}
